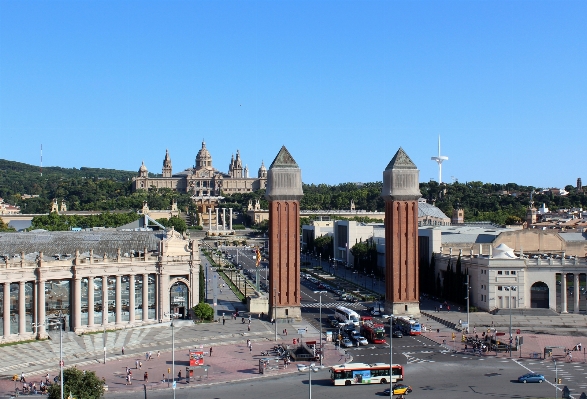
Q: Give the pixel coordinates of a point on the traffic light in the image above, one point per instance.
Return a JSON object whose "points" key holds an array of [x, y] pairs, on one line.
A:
{"points": [[453, 335], [168, 370], [559, 381]]}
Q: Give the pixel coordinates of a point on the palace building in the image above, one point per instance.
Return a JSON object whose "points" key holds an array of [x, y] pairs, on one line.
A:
{"points": [[203, 181]]}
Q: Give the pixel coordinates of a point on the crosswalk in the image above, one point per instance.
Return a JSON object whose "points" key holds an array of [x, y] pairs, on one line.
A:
{"points": [[352, 305]]}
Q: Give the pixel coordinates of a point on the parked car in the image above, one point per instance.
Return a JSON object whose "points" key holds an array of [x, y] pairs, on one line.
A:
{"points": [[531, 377], [347, 343], [397, 334]]}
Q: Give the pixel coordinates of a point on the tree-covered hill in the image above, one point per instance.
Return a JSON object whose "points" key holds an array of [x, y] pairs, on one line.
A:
{"points": [[110, 190]]}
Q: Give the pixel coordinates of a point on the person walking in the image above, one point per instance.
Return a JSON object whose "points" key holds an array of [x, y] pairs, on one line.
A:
{"points": [[123, 350], [146, 377], [136, 364], [210, 351], [158, 354], [249, 327], [22, 379], [250, 348], [179, 376]]}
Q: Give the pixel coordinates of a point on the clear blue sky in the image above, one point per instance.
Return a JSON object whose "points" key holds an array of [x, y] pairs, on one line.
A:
{"points": [[342, 84]]}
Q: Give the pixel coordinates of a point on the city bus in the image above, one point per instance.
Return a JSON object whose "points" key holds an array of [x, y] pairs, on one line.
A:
{"points": [[364, 373], [346, 315], [407, 325]]}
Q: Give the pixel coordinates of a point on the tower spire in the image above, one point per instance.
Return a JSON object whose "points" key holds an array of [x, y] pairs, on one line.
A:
{"points": [[439, 159]]}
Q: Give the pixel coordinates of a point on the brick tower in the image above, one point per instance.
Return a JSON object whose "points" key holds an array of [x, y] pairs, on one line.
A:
{"points": [[284, 191], [401, 192]]}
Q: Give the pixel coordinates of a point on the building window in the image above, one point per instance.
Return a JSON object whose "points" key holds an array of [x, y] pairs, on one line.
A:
{"points": [[507, 272], [513, 272], [499, 288], [499, 272]]}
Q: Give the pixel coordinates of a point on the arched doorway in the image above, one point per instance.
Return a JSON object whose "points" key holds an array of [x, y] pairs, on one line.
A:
{"points": [[179, 299], [539, 295]]}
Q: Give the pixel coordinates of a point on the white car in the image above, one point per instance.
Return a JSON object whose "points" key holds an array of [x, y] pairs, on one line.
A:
{"points": [[302, 367], [347, 343], [360, 339]]}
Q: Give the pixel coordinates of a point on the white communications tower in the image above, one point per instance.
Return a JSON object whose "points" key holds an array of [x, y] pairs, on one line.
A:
{"points": [[439, 159]]}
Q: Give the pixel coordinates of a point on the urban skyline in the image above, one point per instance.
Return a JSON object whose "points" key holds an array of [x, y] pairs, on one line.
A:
{"points": [[340, 84]]}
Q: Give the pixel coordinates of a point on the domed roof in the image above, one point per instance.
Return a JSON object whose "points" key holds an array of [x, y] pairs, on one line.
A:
{"points": [[203, 159], [143, 168], [262, 168], [203, 153]]}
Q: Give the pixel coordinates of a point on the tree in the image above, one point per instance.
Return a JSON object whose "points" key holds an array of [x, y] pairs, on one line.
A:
{"points": [[4, 226], [177, 223], [80, 383], [202, 285], [203, 311]]}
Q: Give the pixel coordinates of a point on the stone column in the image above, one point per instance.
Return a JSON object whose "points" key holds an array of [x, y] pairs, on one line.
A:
{"points": [[131, 299], [217, 213], [90, 301], [230, 219], [6, 310], [209, 218], [223, 218], [145, 297], [564, 293], [21, 309], [77, 303], [104, 299], [118, 300], [41, 308], [576, 293]]}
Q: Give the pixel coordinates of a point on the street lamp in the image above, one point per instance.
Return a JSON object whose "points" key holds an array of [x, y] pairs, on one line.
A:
{"points": [[510, 288], [320, 293], [467, 298], [58, 320], [275, 311], [390, 358], [173, 316], [311, 368]]}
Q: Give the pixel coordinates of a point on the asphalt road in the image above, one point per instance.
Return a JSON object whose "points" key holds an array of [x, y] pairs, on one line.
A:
{"points": [[483, 379]]}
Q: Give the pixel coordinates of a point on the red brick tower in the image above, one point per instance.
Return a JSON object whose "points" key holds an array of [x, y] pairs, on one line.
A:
{"points": [[284, 191], [401, 192]]}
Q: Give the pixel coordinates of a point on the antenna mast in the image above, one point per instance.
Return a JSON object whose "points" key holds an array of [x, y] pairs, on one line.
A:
{"points": [[439, 160]]}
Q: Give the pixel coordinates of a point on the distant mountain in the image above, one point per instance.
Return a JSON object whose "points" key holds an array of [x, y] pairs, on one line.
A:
{"points": [[34, 172]]}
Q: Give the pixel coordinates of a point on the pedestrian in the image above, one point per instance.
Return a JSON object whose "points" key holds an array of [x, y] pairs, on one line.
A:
{"points": [[47, 378], [22, 379], [243, 320], [179, 376], [249, 320], [248, 343], [285, 331], [223, 321], [146, 377], [146, 355], [441, 307], [210, 351], [448, 308], [158, 354], [249, 327], [150, 355], [140, 365], [250, 348], [123, 350], [136, 364]]}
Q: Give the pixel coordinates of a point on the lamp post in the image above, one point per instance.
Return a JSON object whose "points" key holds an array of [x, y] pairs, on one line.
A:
{"points": [[320, 260], [172, 316], [555, 378], [320, 293], [311, 369], [390, 358], [467, 298], [510, 288], [59, 322], [275, 311]]}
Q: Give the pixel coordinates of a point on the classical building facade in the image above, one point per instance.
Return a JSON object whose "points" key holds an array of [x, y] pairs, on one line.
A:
{"points": [[203, 181], [94, 279]]}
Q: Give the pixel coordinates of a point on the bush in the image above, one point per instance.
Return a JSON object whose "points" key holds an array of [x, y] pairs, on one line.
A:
{"points": [[203, 311], [78, 383]]}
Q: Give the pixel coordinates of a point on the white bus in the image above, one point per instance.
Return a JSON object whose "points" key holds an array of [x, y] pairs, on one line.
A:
{"points": [[363, 373], [346, 315]]}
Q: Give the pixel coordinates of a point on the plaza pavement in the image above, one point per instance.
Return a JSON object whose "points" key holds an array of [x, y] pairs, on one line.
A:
{"points": [[231, 360]]}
